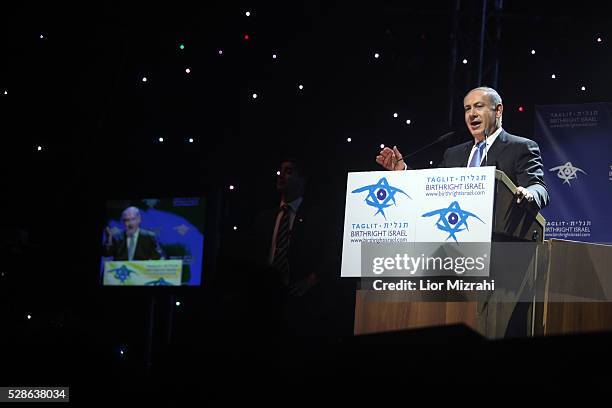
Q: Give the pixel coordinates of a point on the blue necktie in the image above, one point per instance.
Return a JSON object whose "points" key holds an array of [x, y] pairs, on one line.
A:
{"points": [[477, 156]]}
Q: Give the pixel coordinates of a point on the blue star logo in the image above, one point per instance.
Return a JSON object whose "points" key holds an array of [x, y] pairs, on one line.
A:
{"points": [[452, 219], [122, 273], [380, 195]]}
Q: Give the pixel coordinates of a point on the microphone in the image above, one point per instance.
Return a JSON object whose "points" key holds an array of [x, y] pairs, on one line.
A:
{"points": [[438, 140], [486, 135]]}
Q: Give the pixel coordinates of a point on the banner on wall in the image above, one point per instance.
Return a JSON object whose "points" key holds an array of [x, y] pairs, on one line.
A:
{"points": [[576, 146]]}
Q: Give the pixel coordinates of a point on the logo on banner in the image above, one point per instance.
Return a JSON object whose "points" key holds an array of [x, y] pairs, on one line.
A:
{"points": [[159, 282], [452, 219], [182, 229], [151, 202], [567, 172], [122, 273], [380, 195]]}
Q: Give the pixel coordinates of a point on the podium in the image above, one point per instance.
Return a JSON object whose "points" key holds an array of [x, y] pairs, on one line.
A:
{"points": [[166, 272], [513, 222], [577, 288], [557, 298]]}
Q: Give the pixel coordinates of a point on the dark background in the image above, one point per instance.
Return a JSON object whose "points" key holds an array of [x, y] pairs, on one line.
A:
{"points": [[78, 94]]}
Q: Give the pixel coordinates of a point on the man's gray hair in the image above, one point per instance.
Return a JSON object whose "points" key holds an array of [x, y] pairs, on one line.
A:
{"points": [[131, 209], [493, 97], [491, 93]]}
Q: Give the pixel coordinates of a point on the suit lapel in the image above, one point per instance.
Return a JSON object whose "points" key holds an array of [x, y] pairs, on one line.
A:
{"points": [[496, 148], [467, 149], [299, 219], [138, 248], [270, 226], [122, 252]]}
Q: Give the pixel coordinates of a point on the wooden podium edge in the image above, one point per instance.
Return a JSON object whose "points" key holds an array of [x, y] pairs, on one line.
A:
{"points": [[501, 176]]}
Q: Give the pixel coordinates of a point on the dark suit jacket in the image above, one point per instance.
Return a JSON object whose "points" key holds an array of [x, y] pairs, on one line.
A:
{"points": [[147, 247], [311, 244], [516, 156]]}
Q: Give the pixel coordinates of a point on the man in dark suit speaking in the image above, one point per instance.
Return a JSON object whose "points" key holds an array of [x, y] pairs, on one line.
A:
{"points": [[516, 156], [133, 244]]}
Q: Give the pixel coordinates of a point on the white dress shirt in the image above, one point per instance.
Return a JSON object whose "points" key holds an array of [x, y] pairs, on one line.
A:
{"points": [[490, 140]]}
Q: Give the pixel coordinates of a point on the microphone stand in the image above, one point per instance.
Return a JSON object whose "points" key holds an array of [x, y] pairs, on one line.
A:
{"points": [[486, 135], [438, 140]]}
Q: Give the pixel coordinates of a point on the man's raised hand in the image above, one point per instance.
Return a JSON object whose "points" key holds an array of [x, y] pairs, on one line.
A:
{"points": [[389, 159]]}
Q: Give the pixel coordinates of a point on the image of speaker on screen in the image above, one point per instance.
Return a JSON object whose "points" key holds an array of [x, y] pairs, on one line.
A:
{"points": [[153, 241], [133, 243]]}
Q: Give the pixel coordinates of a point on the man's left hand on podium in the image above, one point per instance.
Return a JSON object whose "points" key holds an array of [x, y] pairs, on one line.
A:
{"points": [[523, 194]]}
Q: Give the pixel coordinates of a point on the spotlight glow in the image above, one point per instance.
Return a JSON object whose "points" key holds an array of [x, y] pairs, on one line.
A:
{"points": [[395, 115], [220, 52], [246, 37], [278, 172], [254, 96], [408, 122], [188, 70], [583, 88], [464, 61], [599, 39], [5, 92], [177, 303], [29, 316], [182, 46], [348, 139], [532, 52], [553, 76], [431, 162], [231, 187], [382, 145], [300, 86], [376, 55], [235, 228], [39, 148], [521, 109], [248, 14], [144, 79], [273, 56], [161, 140], [191, 140]]}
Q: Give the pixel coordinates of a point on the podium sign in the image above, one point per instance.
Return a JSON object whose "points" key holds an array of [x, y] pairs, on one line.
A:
{"points": [[143, 273], [449, 206]]}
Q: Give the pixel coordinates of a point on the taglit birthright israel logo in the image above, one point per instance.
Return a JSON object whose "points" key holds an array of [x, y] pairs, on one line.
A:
{"points": [[567, 172], [452, 219], [122, 273], [380, 195]]}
